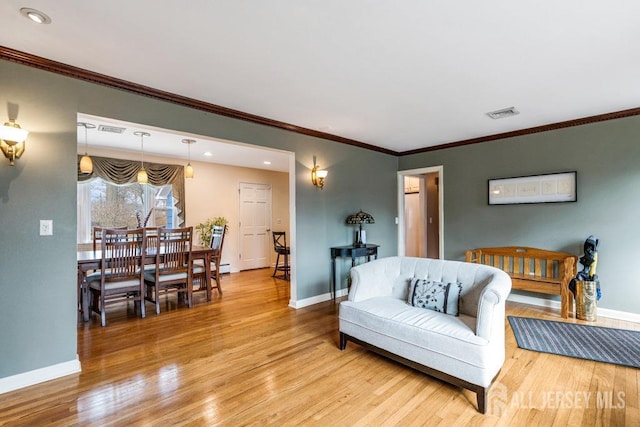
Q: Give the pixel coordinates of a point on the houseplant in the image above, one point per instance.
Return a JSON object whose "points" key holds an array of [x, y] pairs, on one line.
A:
{"points": [[204, 228]]}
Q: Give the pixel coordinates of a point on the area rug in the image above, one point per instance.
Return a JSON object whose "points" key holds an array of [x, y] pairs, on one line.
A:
{"points": [[610, 345]]}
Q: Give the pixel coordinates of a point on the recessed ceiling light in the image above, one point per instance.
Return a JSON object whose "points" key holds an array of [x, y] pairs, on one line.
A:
{"points": [[505, 112], [267, 162], [35, 15], [208, 154]]}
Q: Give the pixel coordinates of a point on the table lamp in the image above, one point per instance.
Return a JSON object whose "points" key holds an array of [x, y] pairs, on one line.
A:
{"points": [[360, 218]]}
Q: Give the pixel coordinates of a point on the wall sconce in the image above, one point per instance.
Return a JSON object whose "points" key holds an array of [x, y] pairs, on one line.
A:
{"points": [[317, 176], [12, 140]]}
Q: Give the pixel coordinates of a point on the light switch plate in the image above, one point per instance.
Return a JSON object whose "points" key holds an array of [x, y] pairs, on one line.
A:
{"points": [[46, 227]]}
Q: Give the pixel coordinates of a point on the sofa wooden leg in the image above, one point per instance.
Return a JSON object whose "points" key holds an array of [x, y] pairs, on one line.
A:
{"points": [[482, 400], [343, 341]]}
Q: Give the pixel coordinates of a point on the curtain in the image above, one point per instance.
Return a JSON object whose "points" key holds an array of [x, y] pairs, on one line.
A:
{"points": [[119, 171]]}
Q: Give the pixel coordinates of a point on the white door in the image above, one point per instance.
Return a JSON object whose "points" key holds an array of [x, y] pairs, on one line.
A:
{"points": [[414, 218], [413, 222], [255, 225]]}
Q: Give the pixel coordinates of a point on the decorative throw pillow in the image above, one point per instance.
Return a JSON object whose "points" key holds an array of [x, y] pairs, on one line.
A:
{"points": [[437, 296]]}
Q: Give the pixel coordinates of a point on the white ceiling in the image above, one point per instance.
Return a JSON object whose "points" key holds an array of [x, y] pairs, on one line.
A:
{"points": [[401, 75]]}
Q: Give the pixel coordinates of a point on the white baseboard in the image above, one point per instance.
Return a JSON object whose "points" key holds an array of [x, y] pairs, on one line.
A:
{"points": [[525, 299], [41, 375], [604, 312], [317, 299]]}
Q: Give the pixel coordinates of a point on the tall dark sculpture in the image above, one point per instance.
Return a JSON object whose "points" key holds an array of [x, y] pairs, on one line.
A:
{"points": [[589, 262]]}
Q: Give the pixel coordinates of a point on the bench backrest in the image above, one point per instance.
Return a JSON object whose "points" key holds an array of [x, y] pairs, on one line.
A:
{"points": [[523, 262]]}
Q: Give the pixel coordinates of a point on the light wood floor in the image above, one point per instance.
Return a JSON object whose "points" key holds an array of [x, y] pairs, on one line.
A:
{"points": [[247, 359]]}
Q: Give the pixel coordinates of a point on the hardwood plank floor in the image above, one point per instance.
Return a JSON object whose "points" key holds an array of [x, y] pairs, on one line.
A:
{"points": [[246, 358]]}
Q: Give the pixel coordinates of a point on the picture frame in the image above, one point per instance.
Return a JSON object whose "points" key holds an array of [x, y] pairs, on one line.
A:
{"points": [[546, 188]]}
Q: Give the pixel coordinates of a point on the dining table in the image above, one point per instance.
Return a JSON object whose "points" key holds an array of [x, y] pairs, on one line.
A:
{"points": [[90, 260]]}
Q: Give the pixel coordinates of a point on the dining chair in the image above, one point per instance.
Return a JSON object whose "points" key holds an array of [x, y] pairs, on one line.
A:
{"points": [[173, 264], [97, 234], [199, 273], [121, 275], [281, 248], [97, 238]]}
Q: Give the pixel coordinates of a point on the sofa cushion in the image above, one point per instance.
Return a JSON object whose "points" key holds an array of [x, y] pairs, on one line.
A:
{"points": [[433, 295], [395, 318], [445, 343]]}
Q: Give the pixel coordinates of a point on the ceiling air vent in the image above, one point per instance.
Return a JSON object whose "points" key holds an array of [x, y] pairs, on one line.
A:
{"points": [[505, 112], [112, 129]]}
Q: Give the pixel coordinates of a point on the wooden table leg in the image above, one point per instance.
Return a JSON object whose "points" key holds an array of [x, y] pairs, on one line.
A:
{"points": [[83, 295], [332, 287]]}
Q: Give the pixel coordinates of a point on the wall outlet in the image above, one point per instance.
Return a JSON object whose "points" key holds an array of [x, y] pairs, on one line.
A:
{"points": [[46, 227]]}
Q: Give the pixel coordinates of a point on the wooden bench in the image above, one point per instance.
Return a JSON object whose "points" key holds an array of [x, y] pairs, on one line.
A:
{"points": [[534, 270]]}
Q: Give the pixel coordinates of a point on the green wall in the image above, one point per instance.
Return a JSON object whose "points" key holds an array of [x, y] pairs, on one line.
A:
{"points": [[38, 274], [606, 156]]}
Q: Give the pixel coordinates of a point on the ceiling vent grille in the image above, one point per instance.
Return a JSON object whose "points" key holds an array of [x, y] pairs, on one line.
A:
{"points": [[505, 112], [112, 129]]}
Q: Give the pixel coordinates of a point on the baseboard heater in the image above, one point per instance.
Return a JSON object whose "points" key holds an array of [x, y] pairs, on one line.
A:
{"points": [[225, 268]]}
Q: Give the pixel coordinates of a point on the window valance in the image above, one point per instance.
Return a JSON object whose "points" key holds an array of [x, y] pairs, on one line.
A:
{"points": [[120, 171]]}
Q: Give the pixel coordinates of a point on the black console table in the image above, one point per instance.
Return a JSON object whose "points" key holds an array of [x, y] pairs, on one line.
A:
{"points": [[353, 252]]}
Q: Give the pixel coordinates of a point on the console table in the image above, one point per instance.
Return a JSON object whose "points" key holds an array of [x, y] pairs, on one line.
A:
{"points": [[353, 252]]}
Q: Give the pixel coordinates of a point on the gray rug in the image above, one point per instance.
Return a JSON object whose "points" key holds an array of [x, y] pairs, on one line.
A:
{"points": [[610, 345]]}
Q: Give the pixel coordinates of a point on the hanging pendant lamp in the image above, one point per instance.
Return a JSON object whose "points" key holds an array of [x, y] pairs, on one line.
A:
{"points": [[143, 178], [188, 170], [86, 164]]}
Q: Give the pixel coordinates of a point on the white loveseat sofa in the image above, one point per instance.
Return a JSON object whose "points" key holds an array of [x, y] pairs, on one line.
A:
{"points": [[466, 350]]}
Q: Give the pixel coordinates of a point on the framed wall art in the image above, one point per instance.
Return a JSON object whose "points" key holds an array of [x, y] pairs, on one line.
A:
{"points": [[547, 188]]}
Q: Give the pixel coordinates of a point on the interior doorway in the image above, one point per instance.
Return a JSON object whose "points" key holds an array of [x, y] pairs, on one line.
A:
{"points": [[228, 153], [421, 214]]}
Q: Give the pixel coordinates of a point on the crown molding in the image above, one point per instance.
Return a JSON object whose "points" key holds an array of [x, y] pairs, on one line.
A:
{"points": [[537, 129], [30, 60]]}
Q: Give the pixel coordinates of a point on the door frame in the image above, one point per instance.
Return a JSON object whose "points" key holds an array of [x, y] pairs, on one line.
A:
{"points": [[401, 223], [292, 239], [293, 276]]}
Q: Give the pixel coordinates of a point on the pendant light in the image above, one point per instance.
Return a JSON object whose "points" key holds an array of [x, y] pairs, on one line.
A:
{"points": [[188, 170], [143, 178], [86, 164]]}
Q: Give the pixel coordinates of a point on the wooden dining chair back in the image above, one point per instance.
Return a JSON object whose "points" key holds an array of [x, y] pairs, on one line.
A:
{"points": [[217, 242], [217, 238], [172, 272], [281, 248], [121, 275], [151, 234], [199, 274], [97, 235]]}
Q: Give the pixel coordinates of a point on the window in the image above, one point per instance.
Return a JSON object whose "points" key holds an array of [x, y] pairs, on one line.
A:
{"points": [[111, 197], [103, 204]]}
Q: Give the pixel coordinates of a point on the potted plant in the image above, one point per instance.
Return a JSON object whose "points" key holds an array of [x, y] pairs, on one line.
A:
{"points": [[204, 228]]}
